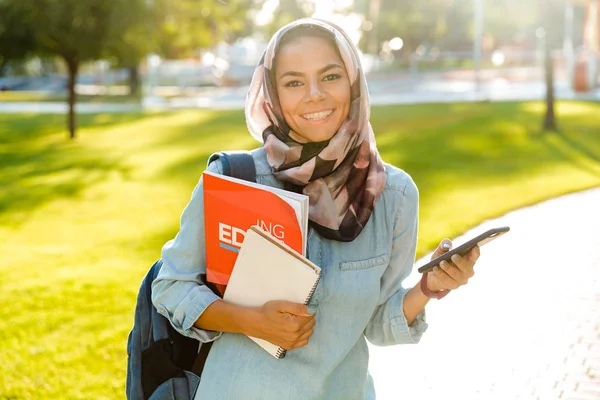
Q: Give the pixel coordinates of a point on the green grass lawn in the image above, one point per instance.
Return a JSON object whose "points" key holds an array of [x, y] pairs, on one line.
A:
{"points": [[81, 222]]}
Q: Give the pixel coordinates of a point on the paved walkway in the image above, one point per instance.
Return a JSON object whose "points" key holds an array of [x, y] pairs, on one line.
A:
{"points": [[526, 327]]}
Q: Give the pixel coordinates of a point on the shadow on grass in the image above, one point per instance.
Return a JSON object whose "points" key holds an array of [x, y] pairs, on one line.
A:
{"points": [[222, 130], [22, 127], [484, 142], [580, 146], [577, 138], [212, 127], [38, 163], [34, 176], [573, 151]]}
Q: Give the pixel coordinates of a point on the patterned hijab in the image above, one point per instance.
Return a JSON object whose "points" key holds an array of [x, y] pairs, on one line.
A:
{"points": [[342, 177]]}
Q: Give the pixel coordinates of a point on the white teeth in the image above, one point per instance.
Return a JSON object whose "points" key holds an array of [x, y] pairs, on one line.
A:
{"points": [[318, 116]]}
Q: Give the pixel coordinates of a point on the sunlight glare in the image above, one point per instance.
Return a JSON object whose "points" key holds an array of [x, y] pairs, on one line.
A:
{"points": [[324, 9], [350, 23], [265, 15]]}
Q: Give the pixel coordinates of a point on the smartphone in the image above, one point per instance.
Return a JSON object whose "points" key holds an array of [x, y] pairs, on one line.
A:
{"points": [[466, 247]]}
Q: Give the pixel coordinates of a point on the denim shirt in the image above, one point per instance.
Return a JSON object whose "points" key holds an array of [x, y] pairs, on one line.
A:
{"points": [[358, 298]]}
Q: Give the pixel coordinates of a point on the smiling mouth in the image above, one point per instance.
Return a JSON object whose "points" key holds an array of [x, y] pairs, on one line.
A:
{"points": [[318, 116]]}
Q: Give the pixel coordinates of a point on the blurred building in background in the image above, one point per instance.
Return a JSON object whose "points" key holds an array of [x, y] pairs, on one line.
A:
{"points": [[586, 60]]}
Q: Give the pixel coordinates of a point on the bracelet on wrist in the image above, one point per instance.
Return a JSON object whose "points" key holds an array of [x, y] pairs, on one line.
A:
{"points": [[429, 293]]}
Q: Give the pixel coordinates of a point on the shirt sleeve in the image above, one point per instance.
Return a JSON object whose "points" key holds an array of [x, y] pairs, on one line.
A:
{"points": [[178, 292], [388, 325]]}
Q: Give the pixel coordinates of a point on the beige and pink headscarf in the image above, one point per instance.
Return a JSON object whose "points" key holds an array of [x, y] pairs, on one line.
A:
{"points": [[342, 177]]}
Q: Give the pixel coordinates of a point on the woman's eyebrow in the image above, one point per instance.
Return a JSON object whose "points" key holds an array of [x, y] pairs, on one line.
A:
{"points": [[321, 71]]}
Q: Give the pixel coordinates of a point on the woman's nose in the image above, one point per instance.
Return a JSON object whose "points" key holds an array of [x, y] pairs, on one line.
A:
{"points": [[315, 92]]}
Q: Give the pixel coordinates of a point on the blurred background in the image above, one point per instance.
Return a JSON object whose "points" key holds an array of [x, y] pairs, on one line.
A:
{"points": [[109, 110], [195, 53]]}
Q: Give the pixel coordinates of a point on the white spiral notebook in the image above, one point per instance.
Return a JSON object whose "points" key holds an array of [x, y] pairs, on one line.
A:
{"points": [[266, 270]]}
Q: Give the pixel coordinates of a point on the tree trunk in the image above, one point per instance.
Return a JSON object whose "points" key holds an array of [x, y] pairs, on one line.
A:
{"points": [[134, 79], [550, 119], [72, 66], [3, 65]]}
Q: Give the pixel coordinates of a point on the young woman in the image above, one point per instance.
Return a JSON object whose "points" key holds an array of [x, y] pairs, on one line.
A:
{"points": [[309, 105]]}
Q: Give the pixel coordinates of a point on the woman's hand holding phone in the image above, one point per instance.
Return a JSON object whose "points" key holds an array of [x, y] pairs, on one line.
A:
{"points": [[452, 274], [449, 269]]}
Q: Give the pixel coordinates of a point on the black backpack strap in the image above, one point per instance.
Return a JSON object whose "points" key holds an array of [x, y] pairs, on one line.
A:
{"points": [[237, 164], [198, 366], [200, 360]]}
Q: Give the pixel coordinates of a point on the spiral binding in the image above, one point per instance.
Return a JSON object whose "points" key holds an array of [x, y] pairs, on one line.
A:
{"points": [[281, 352], [312, 291]]}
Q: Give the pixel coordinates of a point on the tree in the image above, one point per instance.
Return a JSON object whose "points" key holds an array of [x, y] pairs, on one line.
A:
{"points": [[442, 23], [181, 27], [506, 30], [551, 16], [550, 116], [286, 12], [124, 30], [171, 28], [130, 37], [16, 39], [74, 30]]}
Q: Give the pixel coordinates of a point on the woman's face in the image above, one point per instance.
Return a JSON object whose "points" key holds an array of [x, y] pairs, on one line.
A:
{"points": [[313, 89]]}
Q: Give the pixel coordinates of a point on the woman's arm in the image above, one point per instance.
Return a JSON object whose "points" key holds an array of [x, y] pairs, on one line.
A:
{"points": [[282, 323], [393, 321], [400, 316], [179, 294], [415, 300], [414, 303], [450, 276], [222, 316]]}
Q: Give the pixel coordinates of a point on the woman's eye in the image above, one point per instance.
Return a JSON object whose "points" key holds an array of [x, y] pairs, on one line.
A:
{"points": [[332, 77], [293, 84]]}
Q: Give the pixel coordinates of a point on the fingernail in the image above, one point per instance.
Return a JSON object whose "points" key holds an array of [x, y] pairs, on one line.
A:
{"points": [[443, 264], [455, 258], [446, 246]]}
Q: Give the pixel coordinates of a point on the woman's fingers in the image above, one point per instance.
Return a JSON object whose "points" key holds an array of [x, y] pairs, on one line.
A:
{"points": [[299, 344], [306, 336], [304, 339], [464, 264], [474, 254], [446, 281], [308, 325], [444, 246], [454, 273], [457, 271]]}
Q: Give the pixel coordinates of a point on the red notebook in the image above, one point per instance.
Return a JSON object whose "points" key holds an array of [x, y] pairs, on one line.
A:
{"points": [[231, 206]]}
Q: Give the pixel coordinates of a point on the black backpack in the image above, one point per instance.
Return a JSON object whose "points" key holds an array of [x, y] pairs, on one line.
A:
{"points": [[162, 363]]}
